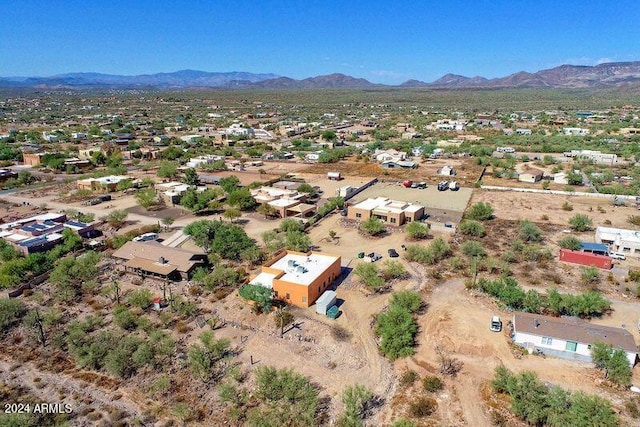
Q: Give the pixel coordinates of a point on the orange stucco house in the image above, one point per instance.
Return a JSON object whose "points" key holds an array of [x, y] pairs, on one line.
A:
{"points": [[299, 278]]}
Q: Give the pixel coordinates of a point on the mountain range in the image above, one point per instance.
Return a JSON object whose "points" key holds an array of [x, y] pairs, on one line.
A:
{"points": [[614, 74]]}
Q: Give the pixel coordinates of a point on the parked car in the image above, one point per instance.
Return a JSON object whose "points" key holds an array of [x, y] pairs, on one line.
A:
{"points": [[496, 324], [393, 253], [146, 237], [453, 186], [617, 255], [374, 256], [443, 185]]}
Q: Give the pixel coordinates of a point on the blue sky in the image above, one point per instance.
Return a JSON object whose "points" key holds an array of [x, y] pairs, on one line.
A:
{"points": [[381, 41]]}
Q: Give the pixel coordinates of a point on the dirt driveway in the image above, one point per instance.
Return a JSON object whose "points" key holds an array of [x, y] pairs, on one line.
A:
{"points": [[458, 320]]}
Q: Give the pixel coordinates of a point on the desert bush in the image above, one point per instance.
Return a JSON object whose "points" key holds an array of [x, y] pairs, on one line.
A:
{"points": [[566, 206], [471, 227], [480, 212], [431, 383], [422, 407], [407, 378]]}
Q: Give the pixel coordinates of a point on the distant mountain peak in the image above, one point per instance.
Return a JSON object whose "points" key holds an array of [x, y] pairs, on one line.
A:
{"points": [[564, 76]]}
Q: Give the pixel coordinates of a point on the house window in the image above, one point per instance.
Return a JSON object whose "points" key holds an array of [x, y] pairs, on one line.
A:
{"points": [[407, 219], [287, 296], [637, 251], [304, 299], [571, 346], [627, 250], [358, 215], [547, 341], [393, 220]]}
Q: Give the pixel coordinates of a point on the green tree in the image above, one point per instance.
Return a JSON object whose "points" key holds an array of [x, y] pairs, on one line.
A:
{"points": [[167, 169], [266, 209], [417, 230], [230, 184], [232, 214], [397, 330], [613, 361], [406, 300], [140, 298], [574, 178], [70, 273], [355, 399], [329, 135], [11, 311], [206, 361], [580, 222], [481, 211], [191, 177], [287, 397], [297, 241], [273, 241], [291, 224], [307, 188], [394, 270], [242, 199], [373, 226], [471, 227], [124, 184], [147, 197], [116, 218]]}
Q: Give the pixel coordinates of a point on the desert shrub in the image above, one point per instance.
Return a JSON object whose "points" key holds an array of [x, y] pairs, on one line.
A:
{"points": [[417, 230], [590, 275], [431, 383], [471, 227], [570, 242], [473, 249], [580, 222], [258, 293], [11, 311], [406, 300], [480, 212], [394, 270], [537, 404], [422, 407], [397, 329], [634, 220], [140, 298], [373, 226], [408, 377], [529, 232], [369, 275], [566, 206], [431, 254]]}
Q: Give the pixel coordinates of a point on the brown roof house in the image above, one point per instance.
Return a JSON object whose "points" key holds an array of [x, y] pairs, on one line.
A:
{"points": [[153, 259], [530, 175], [569, 337]]}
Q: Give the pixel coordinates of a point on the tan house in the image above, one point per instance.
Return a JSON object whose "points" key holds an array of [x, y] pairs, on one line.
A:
{"points": [[32, 159], [299, 278], [108, 183], [392, 212], [286, 202], [153, 259], [530, 175]]}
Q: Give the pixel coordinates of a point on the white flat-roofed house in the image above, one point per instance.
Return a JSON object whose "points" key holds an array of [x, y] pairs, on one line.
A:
{"points": [[575, 131], [569, 337], [619, 240], [196, 162]]}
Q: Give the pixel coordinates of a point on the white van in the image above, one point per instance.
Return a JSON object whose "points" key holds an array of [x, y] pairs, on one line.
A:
{"points": [[617, 255], [146, 237], [496, 324]]}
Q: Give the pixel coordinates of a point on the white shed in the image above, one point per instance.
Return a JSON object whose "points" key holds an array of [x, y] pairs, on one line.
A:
{"points": [[325, 302], [334, 175]]}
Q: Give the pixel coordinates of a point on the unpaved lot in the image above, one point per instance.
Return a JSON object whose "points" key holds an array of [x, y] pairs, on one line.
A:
{"points": [[457, 320]]}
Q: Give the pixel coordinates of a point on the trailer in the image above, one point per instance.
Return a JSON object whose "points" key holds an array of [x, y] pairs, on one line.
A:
{"points": [[586, 258], [325, 302], [334, 176]]}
